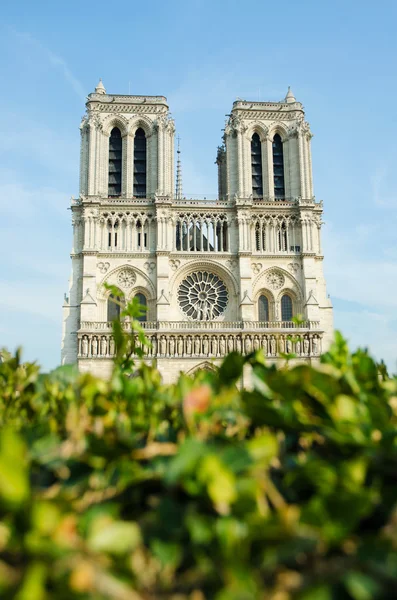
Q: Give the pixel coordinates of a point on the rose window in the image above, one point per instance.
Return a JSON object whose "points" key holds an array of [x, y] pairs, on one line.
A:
{"points": [[202, 296], [275, 280], [126, 278]]}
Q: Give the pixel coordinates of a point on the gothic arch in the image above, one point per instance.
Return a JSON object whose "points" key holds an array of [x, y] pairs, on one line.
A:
{"points": [[230, 312], [265, 291], [112, 121], [143, 123], [290, 283], [214, 267], [203, 366], [295, 297], [280, 129], [258, 128], [149, 290]]}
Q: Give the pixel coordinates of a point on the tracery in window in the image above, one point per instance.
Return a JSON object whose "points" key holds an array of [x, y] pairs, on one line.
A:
{"points": [[140, 166], [201, 233], [278, 168], [113, 307], [260, 236], [115, 163], [256, 166], [142, 300], [263, 308], [286, 308], [202, 296]]}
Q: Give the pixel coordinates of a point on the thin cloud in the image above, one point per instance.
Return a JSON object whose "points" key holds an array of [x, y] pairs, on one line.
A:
{"points": [[56, 61]]}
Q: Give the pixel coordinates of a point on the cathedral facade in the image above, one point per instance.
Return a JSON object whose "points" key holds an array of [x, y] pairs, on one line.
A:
{"points": [[215, 276]]}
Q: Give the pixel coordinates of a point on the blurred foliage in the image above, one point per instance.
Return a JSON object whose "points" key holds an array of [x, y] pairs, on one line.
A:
{"points": [[130, 489]]}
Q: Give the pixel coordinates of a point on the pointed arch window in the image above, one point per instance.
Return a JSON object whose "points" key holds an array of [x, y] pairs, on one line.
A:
{"points": [[140, 166], [256, 166], [142, 300], [278, 168], [115, 163], [263, 308], [286, 308], [114, 308]]}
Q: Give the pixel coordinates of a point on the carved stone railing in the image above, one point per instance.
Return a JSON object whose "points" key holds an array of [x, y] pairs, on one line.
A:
{"points": [[214, 345], [204, 325]]}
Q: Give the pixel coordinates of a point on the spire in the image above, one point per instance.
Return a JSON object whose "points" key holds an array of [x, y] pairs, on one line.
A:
{"points": [[178, 173], [100, 88], [289, 98]]}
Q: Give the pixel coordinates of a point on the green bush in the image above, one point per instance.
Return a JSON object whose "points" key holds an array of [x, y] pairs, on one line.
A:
{"points": [[131, 489]]}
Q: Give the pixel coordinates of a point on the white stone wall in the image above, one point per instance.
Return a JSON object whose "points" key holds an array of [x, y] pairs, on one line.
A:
{"points": [[145, 258]]}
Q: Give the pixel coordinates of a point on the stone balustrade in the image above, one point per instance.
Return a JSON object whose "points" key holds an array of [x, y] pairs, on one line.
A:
{"points": [[203, 325], [170, 345]]}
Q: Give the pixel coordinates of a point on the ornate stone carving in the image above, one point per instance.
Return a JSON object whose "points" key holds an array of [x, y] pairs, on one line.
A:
{"points": [[103, 266], [174, 264], [256, 267], [293, 267], [202, 296], [231, 263], [126, 278], [275, 280], [150, 266]]}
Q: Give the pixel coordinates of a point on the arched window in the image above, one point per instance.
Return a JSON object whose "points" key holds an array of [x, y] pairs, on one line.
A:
{"points": [[256, 166], [114, 307], [140, 164], [286, 308], [142, 300], [263, 308], [282, 238], [115, 163], [278, 168]]}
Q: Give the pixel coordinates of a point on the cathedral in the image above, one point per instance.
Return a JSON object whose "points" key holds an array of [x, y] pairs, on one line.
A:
{"points": [[215, 276]]}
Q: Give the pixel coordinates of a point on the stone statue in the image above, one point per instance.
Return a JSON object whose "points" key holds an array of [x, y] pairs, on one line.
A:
{"points": [[272, 346], [94, 346], [111, 346], [256, 343], [306, 345], [238, 344], [289, 346], [197, 345], [84, 346], [104, 346], [230, 344], [180, 346], [154, 345], [163, 345], [222, 346], [172, 346], [189, 345], [298, 347], [315, 345], [205, 346], [264, 345], [281, 345], [247, 345], [214, 345]]}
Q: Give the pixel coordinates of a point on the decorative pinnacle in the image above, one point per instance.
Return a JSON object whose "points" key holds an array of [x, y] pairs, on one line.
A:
{"points": [[178, 172], [100, 88], [289, 98]]}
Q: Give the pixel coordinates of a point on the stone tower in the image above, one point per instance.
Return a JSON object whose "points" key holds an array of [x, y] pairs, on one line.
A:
{"points": [[216, 275]]}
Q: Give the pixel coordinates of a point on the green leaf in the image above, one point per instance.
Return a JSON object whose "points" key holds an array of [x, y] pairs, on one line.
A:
{"points": [[33, 584], [117, 537], [231, 369], [14, 482], [220, 482], [361, 586]]}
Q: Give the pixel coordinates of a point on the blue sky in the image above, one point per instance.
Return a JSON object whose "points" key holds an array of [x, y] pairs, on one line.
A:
{"points": [[339, 59]]}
